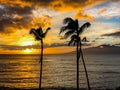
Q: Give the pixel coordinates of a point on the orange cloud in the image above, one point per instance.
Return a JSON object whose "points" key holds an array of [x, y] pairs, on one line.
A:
{"points": [[43, 21], [15, 2], [60, 5], [82, 15], [103, 10]]}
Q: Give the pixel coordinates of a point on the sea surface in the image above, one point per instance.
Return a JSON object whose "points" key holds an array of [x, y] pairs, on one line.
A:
{"points": [[22, 71]]}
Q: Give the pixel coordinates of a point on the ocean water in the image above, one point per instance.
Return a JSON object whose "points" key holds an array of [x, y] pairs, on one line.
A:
{"points": [[22, 71]]}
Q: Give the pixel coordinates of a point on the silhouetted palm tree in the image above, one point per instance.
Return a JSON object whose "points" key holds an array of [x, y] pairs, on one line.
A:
{"points": [[72, 29], [81, 53], [39, 35]]}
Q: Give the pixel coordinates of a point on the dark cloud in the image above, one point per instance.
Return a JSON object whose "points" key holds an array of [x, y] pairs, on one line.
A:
{"points": [[13, 47], [1, 12], [118, 44], [116, 34], [60, 5], [15, 17], [86, 44], [114, 0], [47, 2], [58, 44], [99, 38], [18, 10], [7, 23], [75, 1], [40, 2], [55, 4]]}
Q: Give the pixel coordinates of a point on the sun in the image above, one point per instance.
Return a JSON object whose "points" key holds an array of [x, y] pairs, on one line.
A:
{"points": [[27, 51]]}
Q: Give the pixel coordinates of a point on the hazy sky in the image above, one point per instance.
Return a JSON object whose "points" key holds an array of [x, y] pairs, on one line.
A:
{"points": [[17, 17]]}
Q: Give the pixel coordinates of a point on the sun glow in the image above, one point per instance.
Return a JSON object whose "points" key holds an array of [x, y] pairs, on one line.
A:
{"points": [[27, 43], [28, 51]]}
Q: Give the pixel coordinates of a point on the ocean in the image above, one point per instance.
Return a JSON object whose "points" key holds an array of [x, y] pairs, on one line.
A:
{"points": [[22, 71]]}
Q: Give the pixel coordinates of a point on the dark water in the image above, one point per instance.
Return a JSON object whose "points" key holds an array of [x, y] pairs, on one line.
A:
{"points": [[22, 71]]}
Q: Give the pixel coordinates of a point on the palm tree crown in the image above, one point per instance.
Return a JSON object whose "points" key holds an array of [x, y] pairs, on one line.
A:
{"points": [[38, 33], [72, 29]]}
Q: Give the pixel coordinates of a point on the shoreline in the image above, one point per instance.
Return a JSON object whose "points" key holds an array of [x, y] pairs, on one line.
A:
{"points": [[55, 88]]}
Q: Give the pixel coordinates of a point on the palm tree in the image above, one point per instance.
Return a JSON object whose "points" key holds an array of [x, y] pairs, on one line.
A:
{"points": [[73, 30], [81, 53], [39, 35]]}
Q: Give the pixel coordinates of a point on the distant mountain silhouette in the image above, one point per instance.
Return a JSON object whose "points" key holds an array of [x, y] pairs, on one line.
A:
{"points": [[103, 49]]}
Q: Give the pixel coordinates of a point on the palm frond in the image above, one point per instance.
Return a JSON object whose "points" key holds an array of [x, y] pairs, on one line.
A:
{"points": [[75, 37], [37, 38], [31, 31], [68, 33], [71, 41], [62, 29], [39, 31], [84, 39], [74, 40], [76, 24], [68, 20], [86, 25], [73, 25], [65, 28], [36, 34], [48, 28]]}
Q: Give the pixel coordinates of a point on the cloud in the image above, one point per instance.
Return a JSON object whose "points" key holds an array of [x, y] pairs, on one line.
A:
{"points": [[103, 10], [19, 16], [14, 17], [116, 34], [107, 11], [82, 15], [15, 47], [60, 5], [57, 5], [53, 4], [43, 21], [118, 44], [99, 38], [20, 11]]}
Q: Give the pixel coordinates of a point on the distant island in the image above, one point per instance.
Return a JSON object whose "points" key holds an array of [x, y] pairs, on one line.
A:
{"points": [[102, 49]]}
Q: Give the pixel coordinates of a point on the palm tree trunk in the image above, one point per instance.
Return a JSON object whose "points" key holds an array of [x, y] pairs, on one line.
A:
{"points": [[84, 66], [77, 62], [41, 63]]}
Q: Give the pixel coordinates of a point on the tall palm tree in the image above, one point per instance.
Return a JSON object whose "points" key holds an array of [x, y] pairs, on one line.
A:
{"points": [[81, 29], [73, 30], [81, 53], [39, 35]]}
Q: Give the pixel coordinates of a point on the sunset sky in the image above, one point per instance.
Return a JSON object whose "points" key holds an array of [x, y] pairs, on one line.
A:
{"points": [[17, 17]]}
